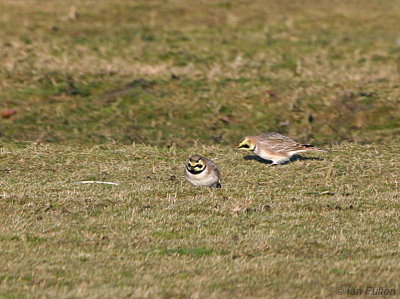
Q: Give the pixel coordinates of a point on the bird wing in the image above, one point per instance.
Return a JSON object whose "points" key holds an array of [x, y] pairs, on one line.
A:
{"points": [[212, 166], [278, 143]]}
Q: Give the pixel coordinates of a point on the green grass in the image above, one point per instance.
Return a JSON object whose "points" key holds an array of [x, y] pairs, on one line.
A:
{"points": [[210, 72], [126, 91], [297, 230]]}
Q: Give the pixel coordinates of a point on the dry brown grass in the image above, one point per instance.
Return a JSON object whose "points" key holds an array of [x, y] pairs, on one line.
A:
{"points": [[196, 76], [297, 230]]}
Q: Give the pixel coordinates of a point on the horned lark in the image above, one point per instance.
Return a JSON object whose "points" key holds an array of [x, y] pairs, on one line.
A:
{"points": [[275, 147], [200, 171]]}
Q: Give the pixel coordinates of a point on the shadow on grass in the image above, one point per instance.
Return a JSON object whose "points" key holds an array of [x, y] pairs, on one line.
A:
{"points": [[292, 159]]}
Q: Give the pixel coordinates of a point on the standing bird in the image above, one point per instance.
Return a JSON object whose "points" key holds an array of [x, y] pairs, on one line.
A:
{"points": [[200, 171], [275, 147]]}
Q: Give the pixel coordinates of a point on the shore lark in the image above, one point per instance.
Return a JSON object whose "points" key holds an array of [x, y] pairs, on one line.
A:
{"points": [[275, 147], [200, 171]]}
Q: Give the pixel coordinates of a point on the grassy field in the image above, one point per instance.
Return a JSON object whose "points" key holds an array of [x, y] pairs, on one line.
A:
{"points": [[297, 230], [125, 91], [209, 71]]}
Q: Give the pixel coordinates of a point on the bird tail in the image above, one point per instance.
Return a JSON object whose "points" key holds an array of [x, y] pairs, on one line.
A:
{"points": [[310, 147]]}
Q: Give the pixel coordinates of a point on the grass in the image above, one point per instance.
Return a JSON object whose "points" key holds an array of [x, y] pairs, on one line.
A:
{"points": [[297, 230], [126, 91], [208, 71]]}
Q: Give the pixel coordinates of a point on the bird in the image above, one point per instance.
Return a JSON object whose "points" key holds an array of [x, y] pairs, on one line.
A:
{"points": [[275, 147], [200, 171]]}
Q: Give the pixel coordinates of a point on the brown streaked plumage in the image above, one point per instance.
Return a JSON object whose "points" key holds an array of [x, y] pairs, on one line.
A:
{"points": [[200, 171], [275, 147]]}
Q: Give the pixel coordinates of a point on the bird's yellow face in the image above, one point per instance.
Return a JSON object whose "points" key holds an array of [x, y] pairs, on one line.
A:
{"points": [[247, 145], [196, 165]]}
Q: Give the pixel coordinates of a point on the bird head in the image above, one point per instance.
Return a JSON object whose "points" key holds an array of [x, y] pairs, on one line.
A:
{"points": [[247, 144], [196, 164]]}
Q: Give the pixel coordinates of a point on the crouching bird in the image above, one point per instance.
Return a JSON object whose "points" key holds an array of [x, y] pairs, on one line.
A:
{"points": [[200, 171]]}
